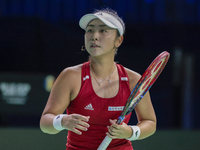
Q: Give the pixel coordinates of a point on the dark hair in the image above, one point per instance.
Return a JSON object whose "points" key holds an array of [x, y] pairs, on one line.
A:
{"points": [[113, 13]]}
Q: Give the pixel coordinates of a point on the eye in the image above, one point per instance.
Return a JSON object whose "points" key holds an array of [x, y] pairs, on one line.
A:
{"points": [[102, 30], [89, 30]]}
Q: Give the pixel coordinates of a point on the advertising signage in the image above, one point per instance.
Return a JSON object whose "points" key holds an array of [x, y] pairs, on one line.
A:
{"points": [[24, 94]]}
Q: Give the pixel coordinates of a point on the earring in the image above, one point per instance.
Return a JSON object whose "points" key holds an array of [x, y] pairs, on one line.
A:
{"points": [[83, 48], [116, 51]]}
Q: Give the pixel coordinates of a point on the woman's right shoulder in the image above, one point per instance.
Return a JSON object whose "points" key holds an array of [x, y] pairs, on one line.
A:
{"points": [[68, 81], [71, 72], [72, 69]]}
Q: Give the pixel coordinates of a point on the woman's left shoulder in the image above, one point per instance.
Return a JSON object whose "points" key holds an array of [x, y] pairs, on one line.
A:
{"points": [[133, 77], [132, 74]]}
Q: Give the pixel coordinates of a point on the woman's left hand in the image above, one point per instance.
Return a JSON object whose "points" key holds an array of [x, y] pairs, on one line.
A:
{"points": [[121, 131]]}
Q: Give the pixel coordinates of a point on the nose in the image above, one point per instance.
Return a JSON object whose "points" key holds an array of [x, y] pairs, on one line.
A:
{"points": [[95, 37]]}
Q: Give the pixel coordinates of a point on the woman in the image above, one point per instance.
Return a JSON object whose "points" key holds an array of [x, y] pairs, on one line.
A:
{"points": [[95, 92]]}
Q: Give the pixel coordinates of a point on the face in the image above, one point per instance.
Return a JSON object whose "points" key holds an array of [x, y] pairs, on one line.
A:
{"points": [[101, 39]]}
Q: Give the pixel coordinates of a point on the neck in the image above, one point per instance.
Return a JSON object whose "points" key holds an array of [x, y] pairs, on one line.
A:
{"points": [[102, 69]]}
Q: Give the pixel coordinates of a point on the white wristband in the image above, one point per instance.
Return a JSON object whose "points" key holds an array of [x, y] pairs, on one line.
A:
{"points": [[57, 122], [136, 133]]}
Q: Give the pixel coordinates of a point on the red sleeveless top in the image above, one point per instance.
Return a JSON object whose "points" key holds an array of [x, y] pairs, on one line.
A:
{"points": [[100, 110]]}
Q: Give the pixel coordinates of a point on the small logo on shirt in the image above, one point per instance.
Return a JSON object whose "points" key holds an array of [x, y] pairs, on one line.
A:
{"points": [[86, 77], [119, 108], [89, 107], [124, 78]]}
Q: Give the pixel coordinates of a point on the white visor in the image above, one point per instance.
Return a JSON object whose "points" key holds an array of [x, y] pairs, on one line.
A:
{"points": [[106, 18]]}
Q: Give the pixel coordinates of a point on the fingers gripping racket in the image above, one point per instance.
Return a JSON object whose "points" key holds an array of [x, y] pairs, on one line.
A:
{"points": [[143, 85]]}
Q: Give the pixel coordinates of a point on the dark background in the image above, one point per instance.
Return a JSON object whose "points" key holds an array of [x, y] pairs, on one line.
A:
{"points": [[40, 37]]}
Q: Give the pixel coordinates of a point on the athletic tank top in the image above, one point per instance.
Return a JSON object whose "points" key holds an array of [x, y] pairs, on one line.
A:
{"points": [[100, 110]]}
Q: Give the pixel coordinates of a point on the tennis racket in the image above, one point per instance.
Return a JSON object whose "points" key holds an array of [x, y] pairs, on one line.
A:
{"points": [[143, 85]]}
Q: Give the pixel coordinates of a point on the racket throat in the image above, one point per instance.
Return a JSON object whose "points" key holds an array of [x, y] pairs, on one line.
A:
{"points": [[120, 119]]}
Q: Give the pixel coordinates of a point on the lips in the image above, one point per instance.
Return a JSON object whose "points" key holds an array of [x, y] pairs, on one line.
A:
{"points": [[94, 45]]}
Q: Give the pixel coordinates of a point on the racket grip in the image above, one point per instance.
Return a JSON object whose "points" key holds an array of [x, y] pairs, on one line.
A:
{"points": [[105, 143]]}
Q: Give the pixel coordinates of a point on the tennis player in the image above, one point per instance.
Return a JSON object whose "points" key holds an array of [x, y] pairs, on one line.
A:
{"points": [[93, 93]]}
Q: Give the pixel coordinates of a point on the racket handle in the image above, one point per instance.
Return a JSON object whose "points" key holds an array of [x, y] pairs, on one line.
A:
{"points": [[105, 143]]}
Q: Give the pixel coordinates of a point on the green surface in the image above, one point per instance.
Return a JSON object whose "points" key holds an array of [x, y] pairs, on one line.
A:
{"points": [[34, 139]]}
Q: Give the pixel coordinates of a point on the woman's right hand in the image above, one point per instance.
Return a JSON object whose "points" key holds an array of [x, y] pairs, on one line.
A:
{"points": [[76, 123]]}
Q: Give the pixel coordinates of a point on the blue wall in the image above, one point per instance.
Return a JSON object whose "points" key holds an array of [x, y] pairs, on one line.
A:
{"points": [[133, 11]]}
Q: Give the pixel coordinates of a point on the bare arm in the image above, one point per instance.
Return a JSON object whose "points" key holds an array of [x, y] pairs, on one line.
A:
{"points": [[58, 101], [63, 91], [146, 117], [144, 111]]}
